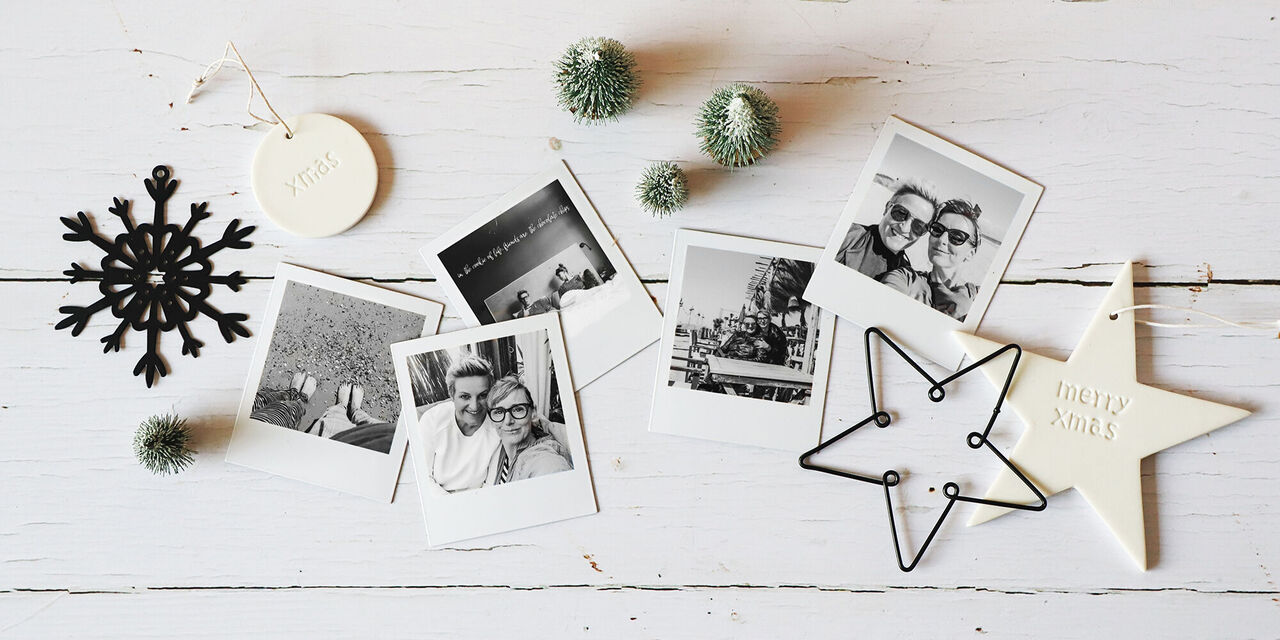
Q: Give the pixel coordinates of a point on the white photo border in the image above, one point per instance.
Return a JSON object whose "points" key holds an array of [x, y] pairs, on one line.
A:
{"points": [[305, 457], [623, 333], [866, 302], [559, 496], [748, 421]]}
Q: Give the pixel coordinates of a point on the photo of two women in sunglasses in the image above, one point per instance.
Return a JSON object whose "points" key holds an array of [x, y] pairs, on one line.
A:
{"points": [[914, 212], [923, 241]]}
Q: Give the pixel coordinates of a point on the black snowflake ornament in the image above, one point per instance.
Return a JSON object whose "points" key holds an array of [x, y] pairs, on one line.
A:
{"points": [[155, 277]]}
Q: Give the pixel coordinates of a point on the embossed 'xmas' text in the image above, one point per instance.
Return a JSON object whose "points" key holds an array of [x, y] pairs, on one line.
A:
{"points": [[1077, 398], [1072, 421], [311, 175]]}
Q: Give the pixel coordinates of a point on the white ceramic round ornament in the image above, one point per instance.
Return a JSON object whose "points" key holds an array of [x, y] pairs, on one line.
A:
{"points": [[318, 182]]}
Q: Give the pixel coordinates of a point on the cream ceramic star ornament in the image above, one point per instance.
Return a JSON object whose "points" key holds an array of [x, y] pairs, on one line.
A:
{"points": [[1090, 422]]}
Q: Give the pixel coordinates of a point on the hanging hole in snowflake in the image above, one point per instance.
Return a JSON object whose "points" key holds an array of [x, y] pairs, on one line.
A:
{"points": [[155, 276]]}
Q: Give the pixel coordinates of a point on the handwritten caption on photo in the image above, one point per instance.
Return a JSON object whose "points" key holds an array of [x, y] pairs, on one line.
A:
{"points": [[497, 250]]}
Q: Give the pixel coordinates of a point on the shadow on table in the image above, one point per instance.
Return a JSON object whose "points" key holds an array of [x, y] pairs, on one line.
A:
{"points": [[210, 434], [1151, 510], [381, 155]]}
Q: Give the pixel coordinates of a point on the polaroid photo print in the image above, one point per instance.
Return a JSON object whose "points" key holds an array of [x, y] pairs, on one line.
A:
{"points": [[496, 441], [923, 241], [321, 403], [749, 357], [543, 248]]}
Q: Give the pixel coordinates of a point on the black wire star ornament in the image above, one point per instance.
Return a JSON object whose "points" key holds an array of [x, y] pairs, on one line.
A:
{"points": [[975, 440], [155, 277]]}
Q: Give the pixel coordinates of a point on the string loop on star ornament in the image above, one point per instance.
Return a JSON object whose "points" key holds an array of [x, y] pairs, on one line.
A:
{"points": [[1217, 320], [216, 66]]}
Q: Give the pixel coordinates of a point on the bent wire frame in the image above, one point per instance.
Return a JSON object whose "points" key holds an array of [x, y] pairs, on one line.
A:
{"points": [[975, 440]]}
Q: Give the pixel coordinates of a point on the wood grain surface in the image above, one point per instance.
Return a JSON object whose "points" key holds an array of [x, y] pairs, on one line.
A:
{"points": [[1152, 126]]}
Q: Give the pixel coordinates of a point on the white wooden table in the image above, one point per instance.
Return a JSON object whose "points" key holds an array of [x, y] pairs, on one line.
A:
{"points": [[1153, 128]]}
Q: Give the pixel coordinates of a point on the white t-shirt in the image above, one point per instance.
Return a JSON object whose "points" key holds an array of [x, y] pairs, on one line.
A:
{"points": [[457, 462]]}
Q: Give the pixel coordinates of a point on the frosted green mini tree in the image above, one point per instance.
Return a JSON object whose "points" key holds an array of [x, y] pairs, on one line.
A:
{"points": [[738, 125], [597, 79], [663, 189], [161, 444]]}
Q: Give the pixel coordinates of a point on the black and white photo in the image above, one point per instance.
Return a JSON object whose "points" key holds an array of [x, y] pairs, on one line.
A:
{"points": [[321, 403], [923, 241], [741, 328], [748, 356], [495, 444], [488, 413], [540, 249]]}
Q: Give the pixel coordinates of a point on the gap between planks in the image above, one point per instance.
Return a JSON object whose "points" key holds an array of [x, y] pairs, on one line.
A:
{"points": [[1264, 282], [656, 587]]}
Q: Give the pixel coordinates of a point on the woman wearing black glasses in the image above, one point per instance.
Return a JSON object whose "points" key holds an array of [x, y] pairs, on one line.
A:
{"points": [[526, 450], [876, 249], [954, 238]]}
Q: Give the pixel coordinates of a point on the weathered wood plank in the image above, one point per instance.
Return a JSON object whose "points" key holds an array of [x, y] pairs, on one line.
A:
{"points": [[736, 515], [1147, 148], [1155, 148], [593, 612]]}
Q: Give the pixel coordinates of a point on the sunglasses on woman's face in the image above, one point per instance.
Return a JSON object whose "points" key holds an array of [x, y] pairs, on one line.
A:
{"points": [[517, 411], [956, 237], [900, 214]]}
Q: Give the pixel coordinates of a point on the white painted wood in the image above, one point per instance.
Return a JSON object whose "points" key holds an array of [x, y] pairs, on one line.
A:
{"points": [[1153, 129], [612, 612]]}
